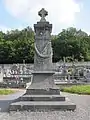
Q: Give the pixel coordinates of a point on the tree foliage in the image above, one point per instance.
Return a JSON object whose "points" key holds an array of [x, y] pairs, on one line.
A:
{"points": [[71, 43], [18, 45]]}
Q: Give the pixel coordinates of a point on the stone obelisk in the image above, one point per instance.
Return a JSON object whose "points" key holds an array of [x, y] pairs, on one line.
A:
{"points": [[43, 49], [42, 93], [42, 82]]}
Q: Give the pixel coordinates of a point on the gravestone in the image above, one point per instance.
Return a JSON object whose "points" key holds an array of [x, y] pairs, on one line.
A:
{"points": [[86, 74], [1, 73], [42, 93]]}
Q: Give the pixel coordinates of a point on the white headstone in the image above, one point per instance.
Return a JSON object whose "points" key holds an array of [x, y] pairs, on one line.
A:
{"points": [[1, 74]]}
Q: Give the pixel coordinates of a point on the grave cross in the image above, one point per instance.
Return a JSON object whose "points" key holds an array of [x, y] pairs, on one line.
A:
{"points": [[42, 13]]}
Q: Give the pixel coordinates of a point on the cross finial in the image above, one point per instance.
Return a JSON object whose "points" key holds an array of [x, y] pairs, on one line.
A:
{"points": [[43, 13]]}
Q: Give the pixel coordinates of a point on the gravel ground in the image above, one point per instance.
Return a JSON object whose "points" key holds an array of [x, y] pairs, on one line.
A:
{"points": [[82, 111]]}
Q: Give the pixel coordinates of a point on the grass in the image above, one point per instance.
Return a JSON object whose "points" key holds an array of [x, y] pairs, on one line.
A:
{"points": [[79, 89], [6, 91]]}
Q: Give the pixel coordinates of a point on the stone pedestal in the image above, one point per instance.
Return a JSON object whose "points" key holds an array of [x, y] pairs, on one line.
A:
{"points": [[42, 93], [43, 84]]}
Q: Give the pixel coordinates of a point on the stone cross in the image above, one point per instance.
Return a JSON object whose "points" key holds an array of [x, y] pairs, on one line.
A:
{"points": [[42, 13]]}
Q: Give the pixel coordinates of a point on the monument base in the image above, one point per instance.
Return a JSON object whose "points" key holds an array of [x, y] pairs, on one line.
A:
{"points": [[43, 84], [42, 94], [42, 105]]}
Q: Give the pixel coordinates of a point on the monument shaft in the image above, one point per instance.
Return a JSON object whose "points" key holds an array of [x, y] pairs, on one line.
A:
{"points": [[43, 49]]}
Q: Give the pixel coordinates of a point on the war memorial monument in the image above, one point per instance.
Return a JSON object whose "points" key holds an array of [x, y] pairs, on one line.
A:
{"points": [[42, 93]]}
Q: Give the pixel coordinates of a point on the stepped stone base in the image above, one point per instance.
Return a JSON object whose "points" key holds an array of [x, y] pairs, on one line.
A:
{"points": [[42, 105], [42, 91], [42, 98], [42, 94], [42, 102]]}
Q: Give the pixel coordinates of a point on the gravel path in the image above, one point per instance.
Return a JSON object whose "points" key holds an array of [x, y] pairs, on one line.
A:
{"points": [[82, 111]]}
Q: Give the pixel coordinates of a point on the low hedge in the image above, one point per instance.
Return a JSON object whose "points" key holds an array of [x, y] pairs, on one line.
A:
{"points": [[6, 91], [78, 89]]}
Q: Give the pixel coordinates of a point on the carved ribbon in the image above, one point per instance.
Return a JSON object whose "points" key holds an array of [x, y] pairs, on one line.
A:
{"points": [[41, 55]]}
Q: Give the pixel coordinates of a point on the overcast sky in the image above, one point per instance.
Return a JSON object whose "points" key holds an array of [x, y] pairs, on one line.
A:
{"points": [[18, 14]]}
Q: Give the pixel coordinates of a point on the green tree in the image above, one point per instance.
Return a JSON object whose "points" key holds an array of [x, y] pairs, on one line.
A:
{"points": [[71, 42]]}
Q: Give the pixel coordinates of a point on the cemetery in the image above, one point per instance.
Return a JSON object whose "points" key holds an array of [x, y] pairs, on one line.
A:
{"points": [[42, 90], [14, 77]]}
